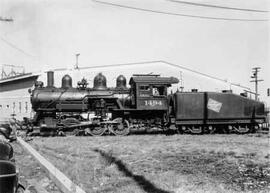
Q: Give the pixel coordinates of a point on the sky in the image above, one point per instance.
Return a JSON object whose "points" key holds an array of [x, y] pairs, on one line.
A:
{"points": [[46, 34]]}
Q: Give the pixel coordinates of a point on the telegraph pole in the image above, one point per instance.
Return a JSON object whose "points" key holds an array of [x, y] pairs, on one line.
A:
{"points": [[256, 80]]}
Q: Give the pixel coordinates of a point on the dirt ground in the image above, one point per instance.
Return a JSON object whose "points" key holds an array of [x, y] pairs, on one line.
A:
{"points": [[162, 164]]}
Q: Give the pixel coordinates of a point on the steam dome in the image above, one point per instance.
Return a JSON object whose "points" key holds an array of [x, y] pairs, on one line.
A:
{"points": [[100, 82]]}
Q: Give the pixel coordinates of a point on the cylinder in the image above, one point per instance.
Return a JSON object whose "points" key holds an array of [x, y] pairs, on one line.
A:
{"points": [[121, 82], [66, 81], [50, 79], [100, 82]]}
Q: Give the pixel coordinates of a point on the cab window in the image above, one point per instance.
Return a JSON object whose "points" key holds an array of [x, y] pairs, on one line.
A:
{"points": [[158, 91], [144, 90]]}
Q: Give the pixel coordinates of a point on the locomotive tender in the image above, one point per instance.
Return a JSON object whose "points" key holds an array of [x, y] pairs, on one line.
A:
{"points": [[146, 104]]}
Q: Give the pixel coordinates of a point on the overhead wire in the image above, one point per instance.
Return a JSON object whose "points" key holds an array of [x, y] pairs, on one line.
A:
{"points": [[217, 6], [203, 74], [176, 14], [167, 63], [16, 48]]}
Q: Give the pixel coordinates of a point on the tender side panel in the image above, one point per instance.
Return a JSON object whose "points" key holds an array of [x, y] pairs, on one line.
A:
{"points": [[231, 106], [216, 108], [189, 107]]}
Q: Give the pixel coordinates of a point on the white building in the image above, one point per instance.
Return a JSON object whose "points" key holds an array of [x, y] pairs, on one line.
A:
{"points": [[14, 96]]}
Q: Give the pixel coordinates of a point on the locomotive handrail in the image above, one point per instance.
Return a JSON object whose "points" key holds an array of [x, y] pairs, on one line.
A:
{"points": [[57, 98]]}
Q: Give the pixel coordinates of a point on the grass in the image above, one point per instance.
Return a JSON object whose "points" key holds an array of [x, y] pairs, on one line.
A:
{"points": [[162, 164], [31, 175]]}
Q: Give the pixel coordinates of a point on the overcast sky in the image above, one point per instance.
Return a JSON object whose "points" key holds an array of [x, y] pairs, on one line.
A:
{"points": [[48, 34]]}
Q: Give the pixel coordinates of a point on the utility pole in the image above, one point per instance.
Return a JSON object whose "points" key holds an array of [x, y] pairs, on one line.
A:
{"points": [[77, 61], [181, 82], [256, 80]]}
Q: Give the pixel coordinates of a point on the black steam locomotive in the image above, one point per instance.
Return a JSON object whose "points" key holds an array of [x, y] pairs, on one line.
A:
{"points": [[145, 105]]}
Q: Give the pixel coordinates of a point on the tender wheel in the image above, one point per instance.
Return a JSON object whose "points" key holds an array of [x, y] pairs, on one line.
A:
{"points": [[96, 130], [211, 129], [254, 128], [121, 127], [241, 129], [180, 129], [196, 130], [61, 133]]}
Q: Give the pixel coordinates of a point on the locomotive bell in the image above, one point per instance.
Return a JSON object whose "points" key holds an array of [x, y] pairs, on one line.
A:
{"points": [[66, 81], [121, 82], [39, 84], [100, 82]]}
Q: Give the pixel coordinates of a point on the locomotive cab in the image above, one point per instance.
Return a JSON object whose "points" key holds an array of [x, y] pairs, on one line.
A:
{"points": [[149, 92]]}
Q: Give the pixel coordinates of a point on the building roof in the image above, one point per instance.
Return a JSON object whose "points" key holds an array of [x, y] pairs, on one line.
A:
{"points": [[18, 82], [19, 77]]}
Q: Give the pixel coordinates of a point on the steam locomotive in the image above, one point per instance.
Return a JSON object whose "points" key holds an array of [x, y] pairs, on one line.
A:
{"points": [[146, 104]]}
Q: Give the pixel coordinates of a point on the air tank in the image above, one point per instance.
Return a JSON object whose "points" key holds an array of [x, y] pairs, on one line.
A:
{"points": [[121, 82], [66, 81], [100, 82]]}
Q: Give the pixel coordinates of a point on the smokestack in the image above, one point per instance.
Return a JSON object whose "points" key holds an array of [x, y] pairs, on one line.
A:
{"points": [[50, 79]]}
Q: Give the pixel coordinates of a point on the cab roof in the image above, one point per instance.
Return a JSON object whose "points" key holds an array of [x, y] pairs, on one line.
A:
{"points": [[153, 80]]}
